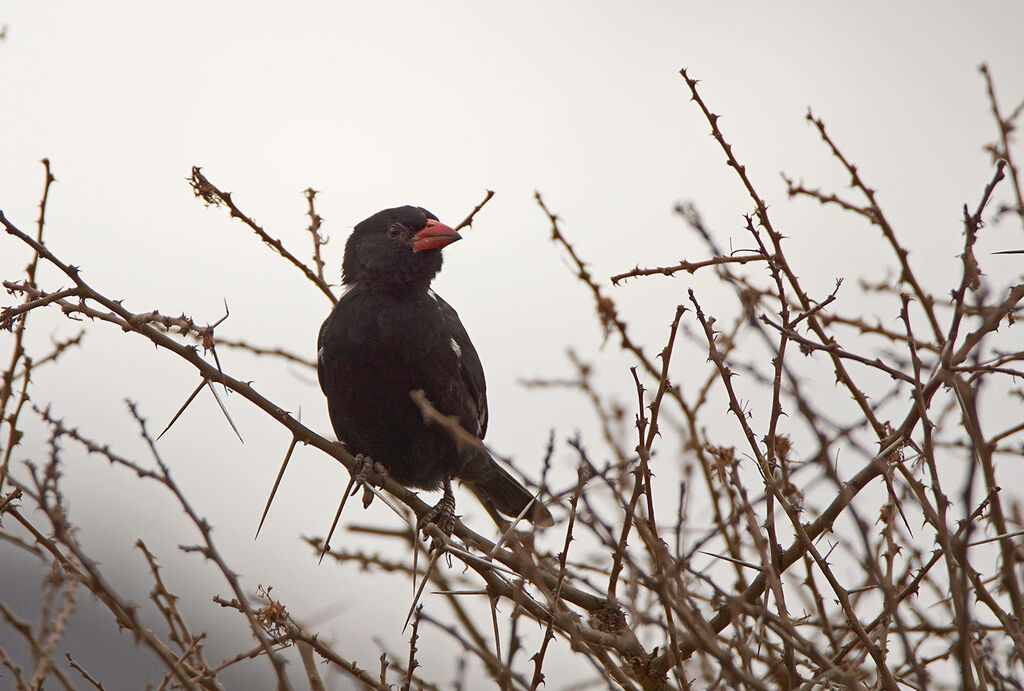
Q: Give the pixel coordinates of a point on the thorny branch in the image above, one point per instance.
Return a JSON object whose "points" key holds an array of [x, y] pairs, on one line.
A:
{"points": [[872, 543]]}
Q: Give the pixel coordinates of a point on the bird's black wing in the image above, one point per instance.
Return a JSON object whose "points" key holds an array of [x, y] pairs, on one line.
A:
{"points": [[324, 346], [321, 345], [469, 366], [337, 377]]}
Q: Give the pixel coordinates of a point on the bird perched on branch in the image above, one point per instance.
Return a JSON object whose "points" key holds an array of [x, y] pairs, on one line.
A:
{"points": [[391, 335]]}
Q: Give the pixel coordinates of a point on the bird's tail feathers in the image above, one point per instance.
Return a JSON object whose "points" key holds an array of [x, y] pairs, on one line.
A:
{"points": [[497, 489]]}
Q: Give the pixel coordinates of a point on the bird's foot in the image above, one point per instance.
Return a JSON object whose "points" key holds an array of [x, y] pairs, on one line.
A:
{"points": [[369, 473], [439, 521]]}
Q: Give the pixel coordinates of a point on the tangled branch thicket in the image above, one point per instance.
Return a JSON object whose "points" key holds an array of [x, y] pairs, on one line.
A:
{"points": [[899, 567]]}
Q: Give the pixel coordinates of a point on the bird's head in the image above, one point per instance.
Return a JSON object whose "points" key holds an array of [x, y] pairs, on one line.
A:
{"points": [[396, 248]]}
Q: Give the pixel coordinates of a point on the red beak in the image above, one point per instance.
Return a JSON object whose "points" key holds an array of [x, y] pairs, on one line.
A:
{"points": [[435, 236]]}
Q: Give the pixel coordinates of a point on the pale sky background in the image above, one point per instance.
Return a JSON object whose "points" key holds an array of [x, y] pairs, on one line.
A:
{"points": [[382, 104]]}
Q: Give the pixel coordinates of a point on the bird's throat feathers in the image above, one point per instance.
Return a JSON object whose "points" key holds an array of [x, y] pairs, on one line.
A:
{"points": [[398, 278]]}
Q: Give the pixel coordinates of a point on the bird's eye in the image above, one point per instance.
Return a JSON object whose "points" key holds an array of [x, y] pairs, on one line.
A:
{"points": [[394, 232]]}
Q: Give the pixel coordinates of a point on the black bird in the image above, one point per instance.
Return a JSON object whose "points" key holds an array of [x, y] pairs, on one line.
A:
{"points": [[390, 334]]}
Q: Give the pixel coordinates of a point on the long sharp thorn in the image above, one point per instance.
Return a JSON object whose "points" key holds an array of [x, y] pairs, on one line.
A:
{"points": [[227, 313], [225, 411], [213, 349], [522, 514], [415, 554], [494, 624], [213, 346], [182, 408], [277, 482], [334, 524], [423, 584], [387, 502], [466, 556], [731, 560]]}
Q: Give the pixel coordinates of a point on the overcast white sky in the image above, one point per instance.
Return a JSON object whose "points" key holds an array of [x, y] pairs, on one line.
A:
{"points": [[381, 104]]}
